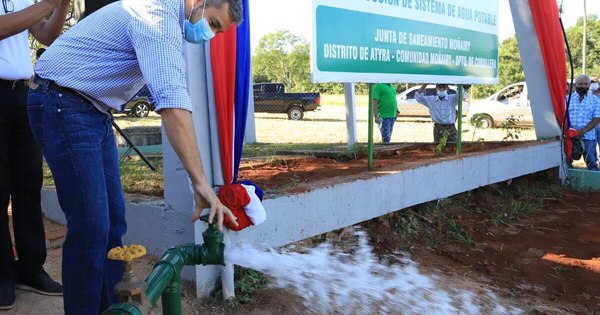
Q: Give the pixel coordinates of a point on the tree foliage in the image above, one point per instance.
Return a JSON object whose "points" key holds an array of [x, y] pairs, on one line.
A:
{"points": [[510, 69], [575, 39], [283, 57]]}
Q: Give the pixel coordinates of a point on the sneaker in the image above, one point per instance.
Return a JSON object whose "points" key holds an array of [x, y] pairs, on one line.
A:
{"points": [[40, 283], [7, 295]]}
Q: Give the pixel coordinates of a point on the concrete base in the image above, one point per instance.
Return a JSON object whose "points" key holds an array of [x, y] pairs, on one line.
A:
{"points": [[300, 216], [296, 217], [583, 180]]}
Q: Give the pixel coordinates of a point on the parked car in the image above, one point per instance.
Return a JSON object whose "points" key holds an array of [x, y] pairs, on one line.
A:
{"points": [[272, 98], [140, 104], [497, 109], [409, 107]]}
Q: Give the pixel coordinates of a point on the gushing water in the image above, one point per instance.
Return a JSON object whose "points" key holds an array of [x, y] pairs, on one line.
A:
{"points": [[330, 281]]}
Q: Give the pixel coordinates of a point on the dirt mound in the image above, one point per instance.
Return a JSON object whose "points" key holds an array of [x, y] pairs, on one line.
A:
{"points": [[300, 173], [533, 241]]}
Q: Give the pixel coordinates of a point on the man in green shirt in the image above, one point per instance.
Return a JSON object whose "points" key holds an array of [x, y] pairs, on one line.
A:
{"points": [[384, 109]]}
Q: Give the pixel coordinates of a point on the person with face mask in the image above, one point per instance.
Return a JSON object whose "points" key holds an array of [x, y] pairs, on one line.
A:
{"points": [[595, 90], [584, 115], [595, 87], [442, 110], [95, 67]]}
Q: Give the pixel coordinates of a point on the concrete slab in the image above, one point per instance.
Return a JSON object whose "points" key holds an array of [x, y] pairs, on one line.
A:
{"points": [[583, 180]]}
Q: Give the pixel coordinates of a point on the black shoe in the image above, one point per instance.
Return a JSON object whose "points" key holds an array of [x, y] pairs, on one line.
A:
{"points": [[40, 283], [7, 295]]}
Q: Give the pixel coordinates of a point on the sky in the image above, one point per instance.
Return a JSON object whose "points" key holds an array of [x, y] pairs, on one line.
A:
{"points": [[268, 16]]}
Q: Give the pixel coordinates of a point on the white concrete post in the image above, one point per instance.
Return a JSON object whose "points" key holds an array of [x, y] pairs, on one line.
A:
{"points": [[350, 113], [207, 278], [542, 110], [227, 273], [178, 194], [250, 133], [544, 120]]}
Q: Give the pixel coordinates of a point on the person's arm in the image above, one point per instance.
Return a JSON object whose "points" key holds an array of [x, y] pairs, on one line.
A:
{"points": [[591, 125], [16, 22], [46, 31], [375, 115], [419, 96], [179, 128], [465, 95]]}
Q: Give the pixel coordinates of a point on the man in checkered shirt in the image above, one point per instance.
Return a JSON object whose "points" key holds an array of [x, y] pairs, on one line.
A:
{"points": [[584, 115], [95, 67]]}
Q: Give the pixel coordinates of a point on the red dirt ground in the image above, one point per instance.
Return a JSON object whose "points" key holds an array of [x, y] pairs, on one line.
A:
{"points": [[302, 173], [547, 261]]}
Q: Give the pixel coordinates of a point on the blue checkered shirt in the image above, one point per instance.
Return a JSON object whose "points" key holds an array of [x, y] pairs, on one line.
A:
{"points": [[111, 54], [581, 113], [441, 111]]}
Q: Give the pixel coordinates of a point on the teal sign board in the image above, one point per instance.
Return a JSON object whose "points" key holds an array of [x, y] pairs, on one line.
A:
{"points": [[404, 43]]}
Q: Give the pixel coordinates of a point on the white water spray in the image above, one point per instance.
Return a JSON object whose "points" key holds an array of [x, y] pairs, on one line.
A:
{"points": [[333, 282]]}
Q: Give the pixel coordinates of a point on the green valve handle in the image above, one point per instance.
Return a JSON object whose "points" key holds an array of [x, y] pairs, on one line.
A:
{"points": [[213, 249], [204, 218]]}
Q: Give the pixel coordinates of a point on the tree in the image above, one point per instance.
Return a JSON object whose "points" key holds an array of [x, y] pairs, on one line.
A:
{"points": [[574, 35], [584, 40], [510, 69], [283, 57]]}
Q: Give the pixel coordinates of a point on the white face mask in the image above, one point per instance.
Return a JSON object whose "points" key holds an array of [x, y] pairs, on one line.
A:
{"points": [[442, 93], [594, 86]]}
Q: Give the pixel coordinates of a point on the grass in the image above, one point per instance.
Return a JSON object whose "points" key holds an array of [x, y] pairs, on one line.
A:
{"points": [[520, 201], [247, 281], [340, 99], [456, 218], [136, 176], [125, 121], [271, 149], [462, 236]]}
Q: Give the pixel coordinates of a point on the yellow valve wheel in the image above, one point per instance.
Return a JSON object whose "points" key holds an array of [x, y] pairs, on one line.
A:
{"points": [[127, 253]]}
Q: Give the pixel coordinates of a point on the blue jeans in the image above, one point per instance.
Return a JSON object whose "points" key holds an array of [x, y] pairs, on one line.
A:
{"points": [[597, 130], [78, 144], [589, 154], [386, 126]]}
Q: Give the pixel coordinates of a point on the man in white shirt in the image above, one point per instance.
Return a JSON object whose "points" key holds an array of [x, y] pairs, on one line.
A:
{"points": [[20, 156], [442, 109]]}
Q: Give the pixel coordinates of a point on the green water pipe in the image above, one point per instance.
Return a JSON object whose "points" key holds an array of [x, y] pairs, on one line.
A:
{"points": [[370, 121], [459, 114], [165, 279]]}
